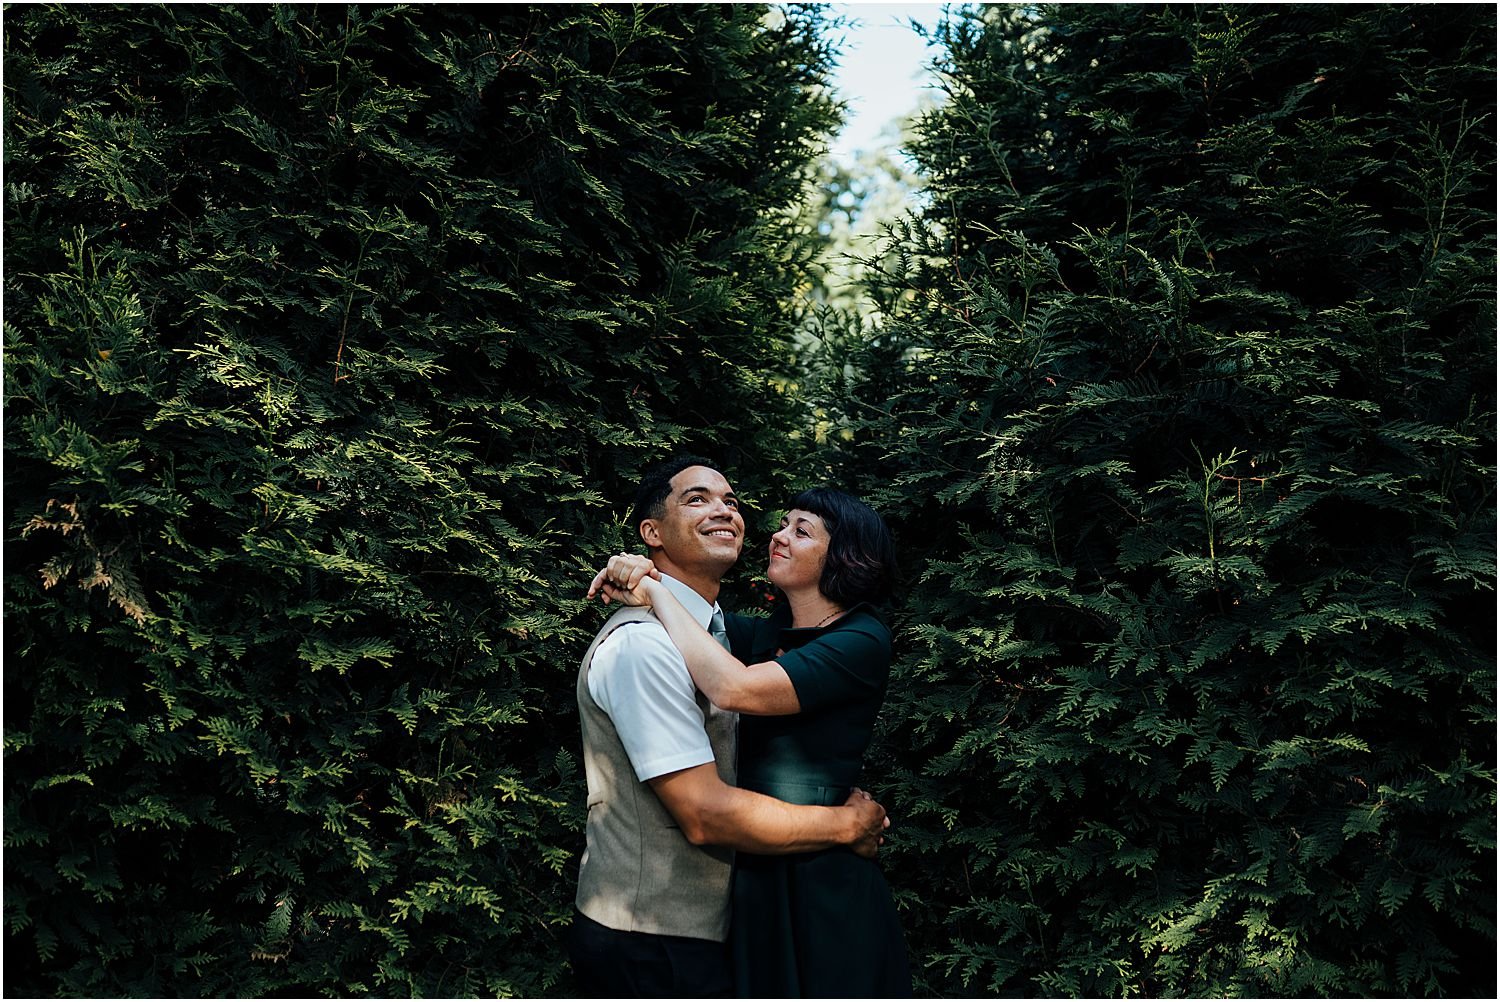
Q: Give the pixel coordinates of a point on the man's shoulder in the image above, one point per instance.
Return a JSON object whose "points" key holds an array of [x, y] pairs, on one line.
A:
{"points": [[641, 655], [640, 681], [635, 637]]}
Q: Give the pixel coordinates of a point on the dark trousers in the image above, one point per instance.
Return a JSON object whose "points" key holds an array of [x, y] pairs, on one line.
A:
{"points": [[609, 963]]}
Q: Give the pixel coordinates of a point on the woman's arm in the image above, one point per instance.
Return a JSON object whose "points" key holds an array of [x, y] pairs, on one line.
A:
{"points": [[762, 689]]}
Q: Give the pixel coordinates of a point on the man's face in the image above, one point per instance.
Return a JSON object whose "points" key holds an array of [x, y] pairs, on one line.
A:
{"points": [[700, 530]]}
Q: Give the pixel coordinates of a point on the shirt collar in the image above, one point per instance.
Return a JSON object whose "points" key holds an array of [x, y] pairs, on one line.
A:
{"points": [[691, 600]]}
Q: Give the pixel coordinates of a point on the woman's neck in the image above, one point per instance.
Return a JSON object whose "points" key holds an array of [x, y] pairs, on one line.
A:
{"points": [[811, 610]]}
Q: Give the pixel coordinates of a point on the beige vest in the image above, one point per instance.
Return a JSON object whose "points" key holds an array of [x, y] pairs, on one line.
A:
{"points": [[639, 873]]}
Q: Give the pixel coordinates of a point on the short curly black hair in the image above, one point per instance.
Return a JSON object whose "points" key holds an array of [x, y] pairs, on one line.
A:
{"points": [[861, 562]]}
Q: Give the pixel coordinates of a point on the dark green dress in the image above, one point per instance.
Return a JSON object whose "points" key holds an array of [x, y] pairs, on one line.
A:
{"points": [[818, 924]]}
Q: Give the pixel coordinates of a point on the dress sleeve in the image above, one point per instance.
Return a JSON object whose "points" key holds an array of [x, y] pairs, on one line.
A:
{"points": [[845, 664]]}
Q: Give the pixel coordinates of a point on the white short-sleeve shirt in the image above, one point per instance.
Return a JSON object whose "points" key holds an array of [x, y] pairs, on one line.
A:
{"points": [[640, 679]]}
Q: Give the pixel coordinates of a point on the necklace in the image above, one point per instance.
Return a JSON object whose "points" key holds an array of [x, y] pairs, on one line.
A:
{"points": [[824, 621]]}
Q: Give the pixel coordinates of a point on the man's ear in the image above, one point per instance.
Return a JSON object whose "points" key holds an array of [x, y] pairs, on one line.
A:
{"points": [[650, 533]]}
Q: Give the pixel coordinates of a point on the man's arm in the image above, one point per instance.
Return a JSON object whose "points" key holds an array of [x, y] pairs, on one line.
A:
{"points": [[711, 812]]}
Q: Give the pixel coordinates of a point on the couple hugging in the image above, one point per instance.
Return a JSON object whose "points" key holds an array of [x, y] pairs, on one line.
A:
{"points": [[695, 882]]}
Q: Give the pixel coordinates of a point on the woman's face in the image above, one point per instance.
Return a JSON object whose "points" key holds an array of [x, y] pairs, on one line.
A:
{"points": [[797, 551]]}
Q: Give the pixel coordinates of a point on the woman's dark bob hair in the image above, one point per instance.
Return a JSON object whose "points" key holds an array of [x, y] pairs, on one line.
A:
{"points": [[861, 561]]}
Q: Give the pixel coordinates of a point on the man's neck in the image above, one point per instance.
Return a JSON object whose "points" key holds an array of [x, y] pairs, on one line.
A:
{"points": [[705, 583]]}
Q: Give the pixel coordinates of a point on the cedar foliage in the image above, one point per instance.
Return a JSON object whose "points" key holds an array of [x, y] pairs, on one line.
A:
{"points": [[332, 334], [1188, 435]]}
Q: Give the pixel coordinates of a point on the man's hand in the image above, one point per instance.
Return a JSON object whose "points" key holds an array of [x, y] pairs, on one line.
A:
{"points": [[871, 821], [621, 579]]}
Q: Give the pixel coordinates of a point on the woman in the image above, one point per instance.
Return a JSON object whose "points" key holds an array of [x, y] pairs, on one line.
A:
{"points": [[808, 683]]}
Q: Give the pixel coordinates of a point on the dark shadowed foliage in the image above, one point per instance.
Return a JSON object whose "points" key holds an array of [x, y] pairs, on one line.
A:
{"points": [[1186, 427], [334, 337]]}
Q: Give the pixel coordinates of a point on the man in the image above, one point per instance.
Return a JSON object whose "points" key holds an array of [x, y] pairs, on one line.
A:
{"points": [[664, 816]]}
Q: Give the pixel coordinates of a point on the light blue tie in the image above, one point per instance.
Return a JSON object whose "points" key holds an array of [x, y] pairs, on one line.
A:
{"points": [[716, 628]]}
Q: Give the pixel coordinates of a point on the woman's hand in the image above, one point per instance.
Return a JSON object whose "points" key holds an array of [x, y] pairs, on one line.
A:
{"points": [[625, 580]]}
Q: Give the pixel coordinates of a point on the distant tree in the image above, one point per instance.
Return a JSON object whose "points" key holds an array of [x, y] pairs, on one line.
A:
{"points": [[1188, 434], [853, 208], [857, 213], [333, 338]]}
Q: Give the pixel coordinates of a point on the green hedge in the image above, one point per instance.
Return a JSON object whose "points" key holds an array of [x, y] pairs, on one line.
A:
{"points": [[333, 339], [1187, 424]]}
